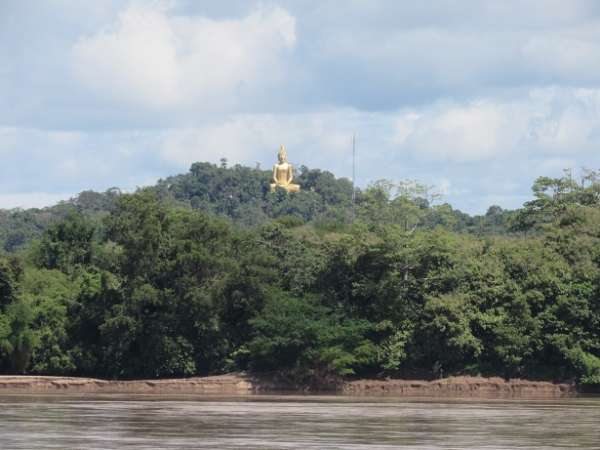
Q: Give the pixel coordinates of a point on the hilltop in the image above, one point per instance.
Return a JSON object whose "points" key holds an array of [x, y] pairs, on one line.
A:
{"points": [[241, 194]]}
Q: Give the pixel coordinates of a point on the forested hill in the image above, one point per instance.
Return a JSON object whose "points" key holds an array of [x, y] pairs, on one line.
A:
{"points": [[208, 273], [242, 195]]}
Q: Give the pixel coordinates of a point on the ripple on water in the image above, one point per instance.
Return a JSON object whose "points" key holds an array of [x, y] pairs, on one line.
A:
{"points": [[288, 423]]}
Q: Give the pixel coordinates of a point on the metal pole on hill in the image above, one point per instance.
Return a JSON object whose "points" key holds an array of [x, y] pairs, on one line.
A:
{"points": [[353, 176]]}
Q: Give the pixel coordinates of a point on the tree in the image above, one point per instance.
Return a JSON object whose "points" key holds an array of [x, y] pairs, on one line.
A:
{"points": [[67, 244], [306, 341]]}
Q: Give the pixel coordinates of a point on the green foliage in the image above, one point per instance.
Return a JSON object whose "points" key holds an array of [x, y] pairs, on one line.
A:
{"points": [[587, 365], [210, 272], [22, 340], [304, 340], [17, 340], [19, 228], [243, 196], [446, 331], [49, 294], [393, 348], [66, 245], [559, 200]]}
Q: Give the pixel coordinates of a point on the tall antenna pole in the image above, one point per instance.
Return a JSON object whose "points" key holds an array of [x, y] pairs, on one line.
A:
{"points": [[353, 176]]}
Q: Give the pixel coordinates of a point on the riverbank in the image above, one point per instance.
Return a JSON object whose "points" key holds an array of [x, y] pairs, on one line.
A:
{"points": [[235, 384]]}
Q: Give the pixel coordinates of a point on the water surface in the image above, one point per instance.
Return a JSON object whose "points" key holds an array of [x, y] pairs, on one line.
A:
{"points": [[147, 422]]}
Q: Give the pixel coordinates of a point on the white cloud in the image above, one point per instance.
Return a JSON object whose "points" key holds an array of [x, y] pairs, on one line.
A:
{"points": [[571, 54], [474, 131], [555, 165], [444, 187], [470, 97], [564, 121], [473, 152], [545, 121], [153, 58], [321, 138], [37, 160]]}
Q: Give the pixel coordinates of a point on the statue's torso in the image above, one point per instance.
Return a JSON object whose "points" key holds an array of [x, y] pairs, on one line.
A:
{"points": [[282, 173]]}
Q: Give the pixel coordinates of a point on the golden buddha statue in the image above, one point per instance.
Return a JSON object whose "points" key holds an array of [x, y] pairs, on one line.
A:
{"points": [[283, 173]]}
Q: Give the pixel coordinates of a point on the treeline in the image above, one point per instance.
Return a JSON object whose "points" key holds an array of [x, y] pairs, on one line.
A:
{"points": [[241, 194], [208, 273]]}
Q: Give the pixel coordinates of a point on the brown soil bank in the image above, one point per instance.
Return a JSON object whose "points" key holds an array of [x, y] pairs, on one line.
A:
{"points": [[472, 387], [461, 387]]}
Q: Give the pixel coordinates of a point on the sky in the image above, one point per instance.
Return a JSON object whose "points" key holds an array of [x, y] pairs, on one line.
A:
{"points": [[476, 98]]}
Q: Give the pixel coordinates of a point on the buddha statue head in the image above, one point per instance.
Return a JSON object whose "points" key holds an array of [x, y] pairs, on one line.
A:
{"points": [[282, 154]]}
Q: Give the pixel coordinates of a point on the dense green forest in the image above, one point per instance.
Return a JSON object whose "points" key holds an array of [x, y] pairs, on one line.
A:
{"points": [[208, 272]]}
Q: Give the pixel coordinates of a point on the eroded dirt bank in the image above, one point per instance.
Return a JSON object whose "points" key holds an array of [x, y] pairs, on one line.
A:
{"points": [[472, 387], [461, 387]]}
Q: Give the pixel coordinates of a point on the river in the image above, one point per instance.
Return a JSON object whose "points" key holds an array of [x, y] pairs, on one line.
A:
{"points": [[150, 422]]}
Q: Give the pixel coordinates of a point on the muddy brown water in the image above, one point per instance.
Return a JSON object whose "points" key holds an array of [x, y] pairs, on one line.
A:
{"points": [[283, 422]]}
